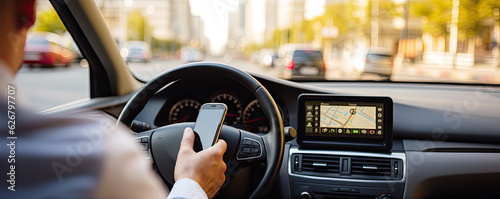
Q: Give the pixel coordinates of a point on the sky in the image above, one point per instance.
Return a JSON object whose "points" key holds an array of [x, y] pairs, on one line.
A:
{"points": [[214, 14], [314, 8]]}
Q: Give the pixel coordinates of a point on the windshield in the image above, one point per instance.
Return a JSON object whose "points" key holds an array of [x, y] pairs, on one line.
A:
{"points": [[452, 41]]}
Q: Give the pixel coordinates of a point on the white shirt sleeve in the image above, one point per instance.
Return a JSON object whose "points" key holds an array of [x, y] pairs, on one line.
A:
{"points": [[186, 188]]}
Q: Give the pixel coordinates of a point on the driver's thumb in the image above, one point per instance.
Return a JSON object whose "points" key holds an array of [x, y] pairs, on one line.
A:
{"points": [[187, 139]]}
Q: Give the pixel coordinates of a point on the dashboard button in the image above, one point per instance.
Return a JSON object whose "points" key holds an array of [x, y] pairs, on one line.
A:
{"points": [[296, 163], [305, 195], [396, 169], [344, 189]]}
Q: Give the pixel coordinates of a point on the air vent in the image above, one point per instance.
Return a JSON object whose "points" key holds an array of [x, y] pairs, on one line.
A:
{"points": [[371, 166], [353, 167], [320, 163]]}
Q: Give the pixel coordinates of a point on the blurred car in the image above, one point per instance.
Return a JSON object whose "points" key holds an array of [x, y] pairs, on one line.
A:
{"points": [[190, 54], [302, 63], [45, 49], [136, 51], [68, 42], [267, 57], [377, 61], [254, 57]]}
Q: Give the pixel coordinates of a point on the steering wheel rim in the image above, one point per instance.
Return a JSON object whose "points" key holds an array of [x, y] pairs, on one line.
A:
{"points": [[274, 139]]}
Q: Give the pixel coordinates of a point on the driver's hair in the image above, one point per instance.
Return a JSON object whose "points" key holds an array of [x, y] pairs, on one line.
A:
{"points": [[23, 9]]}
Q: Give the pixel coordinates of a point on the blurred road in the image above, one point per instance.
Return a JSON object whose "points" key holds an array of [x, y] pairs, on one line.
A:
{"points": [[45, 88], [48, 87]]}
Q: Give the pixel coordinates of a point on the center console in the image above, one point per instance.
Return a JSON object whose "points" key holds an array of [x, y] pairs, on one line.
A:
{"points": [[345, 149]]}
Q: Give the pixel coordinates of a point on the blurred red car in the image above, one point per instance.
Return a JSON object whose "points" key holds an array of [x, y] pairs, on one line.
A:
{"points": [[44, 49]]}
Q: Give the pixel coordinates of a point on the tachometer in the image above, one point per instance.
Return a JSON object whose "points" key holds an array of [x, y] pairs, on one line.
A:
{"points": [[185, 110], [254, 119], [233, 104]]}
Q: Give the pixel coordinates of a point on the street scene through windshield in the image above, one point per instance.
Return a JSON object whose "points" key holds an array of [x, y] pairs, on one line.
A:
{"points": [[451, 41]]}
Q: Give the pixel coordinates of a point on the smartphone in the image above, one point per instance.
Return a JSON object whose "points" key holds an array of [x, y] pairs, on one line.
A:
{"points": [[209, 122]]}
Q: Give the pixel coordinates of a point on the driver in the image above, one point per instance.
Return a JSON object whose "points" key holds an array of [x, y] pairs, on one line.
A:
{"points": [[81, 155]]}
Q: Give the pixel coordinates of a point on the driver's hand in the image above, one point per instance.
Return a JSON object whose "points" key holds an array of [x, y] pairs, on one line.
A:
{"points": [[205, 167]]}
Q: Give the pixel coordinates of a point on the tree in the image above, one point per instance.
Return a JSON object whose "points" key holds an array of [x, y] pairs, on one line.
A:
{"points": [[49, 21], [436, 13], [485, 8], [135, 26]]}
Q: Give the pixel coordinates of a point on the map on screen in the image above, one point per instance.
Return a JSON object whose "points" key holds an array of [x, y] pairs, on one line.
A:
{"points": [[360, 117]]}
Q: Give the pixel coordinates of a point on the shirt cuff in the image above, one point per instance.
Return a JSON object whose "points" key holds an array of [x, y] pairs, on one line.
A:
{"points": [[186, 188]]}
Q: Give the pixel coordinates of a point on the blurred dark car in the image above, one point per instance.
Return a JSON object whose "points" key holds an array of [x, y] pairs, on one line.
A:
{"points": [[302, 63], [377, 61], [44, 49]]}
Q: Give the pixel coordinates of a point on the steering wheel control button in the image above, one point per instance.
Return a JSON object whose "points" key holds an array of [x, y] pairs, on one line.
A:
{"points": [[246, 142], [144, 146], [249, 149], [255, 151], [246, 150], [143, 143]]}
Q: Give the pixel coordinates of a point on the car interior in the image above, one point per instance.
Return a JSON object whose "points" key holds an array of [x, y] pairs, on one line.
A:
{"points": [[409, 140]]}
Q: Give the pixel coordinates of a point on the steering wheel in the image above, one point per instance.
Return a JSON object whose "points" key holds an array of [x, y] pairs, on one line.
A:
{"points": [[243, 148]]}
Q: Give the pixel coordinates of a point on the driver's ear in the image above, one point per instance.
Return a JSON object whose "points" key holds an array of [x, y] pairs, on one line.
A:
{"points": [[26, 13]]}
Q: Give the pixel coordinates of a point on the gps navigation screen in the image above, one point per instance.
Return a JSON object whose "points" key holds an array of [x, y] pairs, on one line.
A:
{"points": [[344, 119]]}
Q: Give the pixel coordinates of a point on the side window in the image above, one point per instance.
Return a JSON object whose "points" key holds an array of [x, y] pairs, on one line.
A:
{"points": [[54, 71]]}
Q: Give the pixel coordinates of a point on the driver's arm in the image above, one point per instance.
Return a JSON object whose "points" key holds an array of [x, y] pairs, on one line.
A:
{"points": [[125, 174]]}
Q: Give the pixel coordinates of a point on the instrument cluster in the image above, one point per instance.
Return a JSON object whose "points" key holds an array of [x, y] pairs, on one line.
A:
{"points": [[242, 112]]}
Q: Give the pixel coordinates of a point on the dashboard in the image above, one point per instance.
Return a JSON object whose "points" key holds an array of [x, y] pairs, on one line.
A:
{"points": [[183, 99], [445, 138]]}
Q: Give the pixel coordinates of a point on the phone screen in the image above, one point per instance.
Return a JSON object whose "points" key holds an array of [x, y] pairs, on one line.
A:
{"points": [[209, 122]]}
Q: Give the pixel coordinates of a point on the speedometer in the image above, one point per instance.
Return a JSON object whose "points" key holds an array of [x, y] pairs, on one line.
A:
{"points": [[233, 104], [184, 111], [254, 119]]}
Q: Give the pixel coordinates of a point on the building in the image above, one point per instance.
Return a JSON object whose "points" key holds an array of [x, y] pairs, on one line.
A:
{"points": [[169, 19]]}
